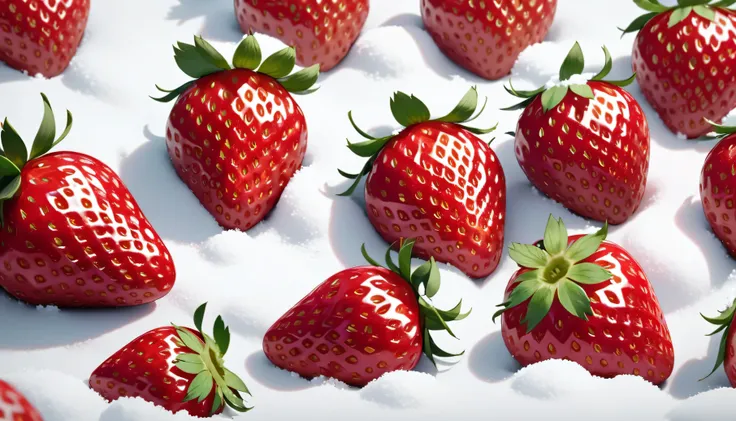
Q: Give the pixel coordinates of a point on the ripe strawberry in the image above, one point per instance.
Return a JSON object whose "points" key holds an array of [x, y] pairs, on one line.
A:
{"points": [[41, 36], [606, 316], [235, 135], [727, 348], [72, 235], [14, 406], [363, 322], [437, 182], [321, 31], [585, 143], [487, 37], [683, 56], [178, 368]]}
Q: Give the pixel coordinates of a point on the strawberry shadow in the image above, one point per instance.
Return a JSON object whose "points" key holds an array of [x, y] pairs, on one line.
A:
{"points": [[10, 75], [685, 382], [219, 21], [490, 361], [28, 327], [261, 370]]}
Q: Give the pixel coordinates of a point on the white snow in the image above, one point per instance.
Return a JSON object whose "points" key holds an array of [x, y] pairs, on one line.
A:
{"points": [[252, 278]]}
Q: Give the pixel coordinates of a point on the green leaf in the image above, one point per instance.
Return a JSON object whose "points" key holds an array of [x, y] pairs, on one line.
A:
{"points": [[588, 273], [722, 347], [368, 148], [720, 129], [485, 102], [623, 83], [390, 261], [190, 340], [433, 281], [723, 3], [439, 352], [217, 402], [607, 66], [521, 105], [454, 313], [573, 64], [301, 80], [638, 24], [705, 12], [553, 96], [366, 169], [651, 6], [725, 317], [531, 274], [368, 258], [173, 94], [421, 275], [234, 401], [15, 149], [222, 335], [427, 347], [523, 94], [280, 63], [67, 128], [199, 316], [555, 236], [678, 15], [248, 54], [521, 292], [233, 381], [405, 259], [200, 387], [46, 131], [528, 256], [582, 90], [7, 167], [464, 109], [191, 368], [408, 110], [358, 129], [432, 315], [574, 299], [539, 306], [586, 246], [209, 52], [189, 358], [478, 131], [10, 189], [192, 61]]}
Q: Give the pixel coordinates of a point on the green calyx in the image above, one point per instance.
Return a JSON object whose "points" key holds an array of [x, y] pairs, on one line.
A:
{"points": [[705, 8], [201, 59], [720, 131], [205, 361], [574, 64], [723, 321], [555, 269], [426, 276], [14, 154], [409, 110]]}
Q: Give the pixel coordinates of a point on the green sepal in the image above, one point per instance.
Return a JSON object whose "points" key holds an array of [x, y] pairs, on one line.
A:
{"points": [[574, 299], [222, 335], [171, 95], [363, 172], [623, 83], [464, 109], [723, 3], [724, 322], [46, 131], [721, 131], [587, 245], [574, 63], [200, 387], [189, 363], [607, 65], [189, 339], [193, 61], [638, 23], [390, 262], [235, 382], [405, 259], [553, 96], [539, 306], [651, 6], [280, 63], [588, 273], [15, 148], [216, 402], [9, 190], [521, 292], [408, 110], [247, 54], [678, 15], [358, 129], [582, 90], [212, 55], [520, 106], [555, 236], [528, 256], [705, 12], [199, 316], [301, 81], [478, 131], [683, 3], [7, 167], [439, 352], [368, 148], [368, 257]]}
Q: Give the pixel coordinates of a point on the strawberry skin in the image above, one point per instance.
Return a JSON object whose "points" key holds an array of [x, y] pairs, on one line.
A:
{"points": [[41, 36], [14, 406], [487, 37], [456, 217], [718, 188], [321, 31]]}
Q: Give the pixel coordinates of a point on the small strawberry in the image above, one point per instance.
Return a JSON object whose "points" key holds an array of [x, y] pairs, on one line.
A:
{"points": [[72, 235], [683, 58], [436, 182], [321, 31], [41, 36], [727, 347], [487, 37], [14, 406], [605, 317], [178, 368], [585, 143], [363, 322], [235, 135]]}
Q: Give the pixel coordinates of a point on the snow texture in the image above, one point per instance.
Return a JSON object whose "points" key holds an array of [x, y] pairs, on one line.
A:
{"points": [[252, 278]]}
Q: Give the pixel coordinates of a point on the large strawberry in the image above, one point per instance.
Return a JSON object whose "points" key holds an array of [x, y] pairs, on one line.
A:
{"points": [[72, 235], [41, 36], [437, 182], [585, 300], [683, 56], [321, 31], [178, 368], [487, 37], [727, 348], [363, 322], [585, 143], [14, 406], [235, 135]]}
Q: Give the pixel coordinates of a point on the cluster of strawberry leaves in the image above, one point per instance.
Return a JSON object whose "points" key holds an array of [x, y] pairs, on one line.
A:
{"points": [[201, 59], [704, 8], [574, 64], [428, 277], [206, 363], [724, 322], [556, 269], [409, 110], [14, 154]]}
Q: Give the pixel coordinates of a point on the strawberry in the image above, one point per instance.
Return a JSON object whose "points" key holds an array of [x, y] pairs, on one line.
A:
{"points": [[177, 368], [436, 182], [72, 235], [584, 143], [321, 31], [363, 322], [235, 135], [486, 37], [14, 406], [41, 36], [586, 300], [683, 56], [727, 347]]}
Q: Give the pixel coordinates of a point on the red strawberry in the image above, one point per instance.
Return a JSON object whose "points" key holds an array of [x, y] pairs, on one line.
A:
{"points": [[486, 37], [178, 368], [585, 300], [727, 349], [321, 31], [14, 406], [683, 58], [437, 182], [586, 144], [363, 322], [72, 235], [235, 135], [41, 36]]}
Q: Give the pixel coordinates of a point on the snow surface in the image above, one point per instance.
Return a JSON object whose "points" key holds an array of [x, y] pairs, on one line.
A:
{"points": [[252, 278]]}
